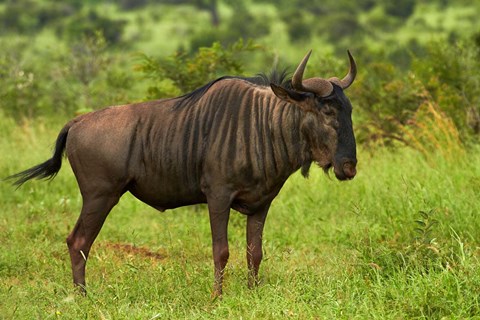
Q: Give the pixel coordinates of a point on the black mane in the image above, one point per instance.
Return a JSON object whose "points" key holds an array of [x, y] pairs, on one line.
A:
{"points": [[277, 77]]}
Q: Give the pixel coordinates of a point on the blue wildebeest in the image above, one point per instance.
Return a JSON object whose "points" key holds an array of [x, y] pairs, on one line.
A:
{"points": [[231, 144]]}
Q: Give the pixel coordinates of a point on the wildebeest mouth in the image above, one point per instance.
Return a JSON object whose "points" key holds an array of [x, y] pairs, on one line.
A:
{"points": [[347, 171]]}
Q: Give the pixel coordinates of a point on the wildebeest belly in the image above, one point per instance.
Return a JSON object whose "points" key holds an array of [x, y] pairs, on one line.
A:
{"points": [[163, 193]]}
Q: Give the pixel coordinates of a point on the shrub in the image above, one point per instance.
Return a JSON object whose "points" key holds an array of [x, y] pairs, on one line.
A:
{"points": [[439, 89], [451, 73], [89, 23], [181, 73], [388, 98], [90, 77], [243, 24], [83, 78], [298, 28], [26, 16], [431, 130], [20, 87], [401, 9]]}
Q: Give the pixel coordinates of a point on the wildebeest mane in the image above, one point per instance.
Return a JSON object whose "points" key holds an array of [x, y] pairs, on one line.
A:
{"points": [[277, 77]]}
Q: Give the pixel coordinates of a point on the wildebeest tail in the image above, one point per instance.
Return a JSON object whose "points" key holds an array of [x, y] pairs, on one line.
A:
{"points": [[48, 169]]}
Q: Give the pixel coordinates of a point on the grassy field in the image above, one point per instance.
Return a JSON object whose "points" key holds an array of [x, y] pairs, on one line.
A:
{"points": [[332, 250]]}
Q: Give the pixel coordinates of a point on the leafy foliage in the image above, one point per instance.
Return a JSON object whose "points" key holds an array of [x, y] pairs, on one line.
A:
{"points": [[388, 100], [181, 73], [82, 78], [89, 23], [431, 131], [424, 227], [20, 87], [401, 9], [451, 73], [29, 16], [242, 25], [436, 99]]}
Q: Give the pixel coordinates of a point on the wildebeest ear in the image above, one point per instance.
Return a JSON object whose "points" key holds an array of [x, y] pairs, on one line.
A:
{"points": [[286, 94]]}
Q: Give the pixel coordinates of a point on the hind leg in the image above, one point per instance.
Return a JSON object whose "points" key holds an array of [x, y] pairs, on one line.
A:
{"points": [[94, 212]]}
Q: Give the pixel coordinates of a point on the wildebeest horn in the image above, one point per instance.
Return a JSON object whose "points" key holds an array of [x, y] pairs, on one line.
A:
{"points": [[348, 79], [318, 86], [298, 75]]}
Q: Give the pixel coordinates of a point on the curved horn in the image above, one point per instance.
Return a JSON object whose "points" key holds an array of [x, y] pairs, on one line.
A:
{"points": [[352, 73], [315, 85], [298, 75], [319, 86]]}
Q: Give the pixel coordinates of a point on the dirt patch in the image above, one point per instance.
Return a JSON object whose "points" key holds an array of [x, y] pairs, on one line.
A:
{"points": [[130, 249]]}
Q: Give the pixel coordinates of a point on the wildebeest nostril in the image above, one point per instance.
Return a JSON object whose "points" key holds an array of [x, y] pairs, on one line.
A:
{"points": [[349, 170]]}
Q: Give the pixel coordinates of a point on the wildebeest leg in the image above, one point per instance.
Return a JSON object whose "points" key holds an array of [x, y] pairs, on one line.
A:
{"points": [[219, 210], [255, 223], [94, 212]]}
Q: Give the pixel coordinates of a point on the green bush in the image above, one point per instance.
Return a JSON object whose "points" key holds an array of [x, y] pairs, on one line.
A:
{"points": [[442, 75], [402, 9], [91, 78], [243, 24], [451, 73], [27, 16], [89, 23], [298, 27], [20, 83], [84, 77], [387, 98], [181, 73]]}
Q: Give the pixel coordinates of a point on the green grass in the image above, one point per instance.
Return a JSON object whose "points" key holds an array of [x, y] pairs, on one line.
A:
{"points": [[332, 249]]}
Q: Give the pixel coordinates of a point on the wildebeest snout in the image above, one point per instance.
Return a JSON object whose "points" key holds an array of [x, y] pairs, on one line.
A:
{"points": [[346, 170]]}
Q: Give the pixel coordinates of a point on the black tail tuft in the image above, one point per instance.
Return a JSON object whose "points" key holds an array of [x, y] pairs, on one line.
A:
{"points": [[48, 169]]}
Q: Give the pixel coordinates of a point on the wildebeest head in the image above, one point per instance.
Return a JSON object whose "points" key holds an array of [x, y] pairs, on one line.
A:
{"points": [[327, 121]]}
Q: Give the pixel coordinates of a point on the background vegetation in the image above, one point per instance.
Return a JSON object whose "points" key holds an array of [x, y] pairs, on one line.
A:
{"points": [[399, 241]]}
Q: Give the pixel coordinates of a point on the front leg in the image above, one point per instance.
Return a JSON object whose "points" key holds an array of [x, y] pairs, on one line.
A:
{"points": [[255, 224], [219, 211]]}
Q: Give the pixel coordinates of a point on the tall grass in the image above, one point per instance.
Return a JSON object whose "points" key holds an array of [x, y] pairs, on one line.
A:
{"points": [[357, 249], [431, 131]]}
